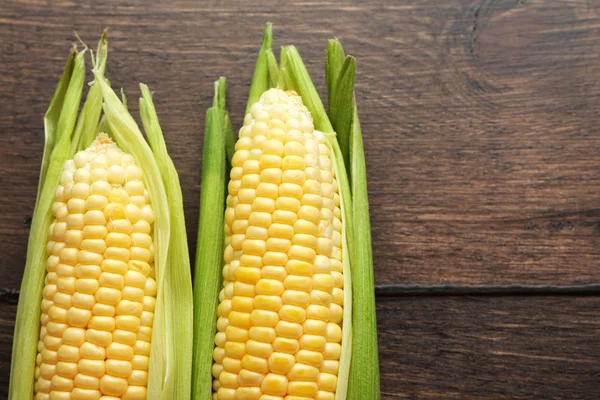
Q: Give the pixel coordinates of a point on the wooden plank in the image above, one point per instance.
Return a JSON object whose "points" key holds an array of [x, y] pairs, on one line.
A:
{"points": [[468, 348], [480, 120], [489, 347]]}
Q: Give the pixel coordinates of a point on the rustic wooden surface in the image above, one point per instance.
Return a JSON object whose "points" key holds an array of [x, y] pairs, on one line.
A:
{"points": [[481, 123]]}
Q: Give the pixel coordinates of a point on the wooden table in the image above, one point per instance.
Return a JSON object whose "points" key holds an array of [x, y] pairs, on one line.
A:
{"points": [[483, 149]]}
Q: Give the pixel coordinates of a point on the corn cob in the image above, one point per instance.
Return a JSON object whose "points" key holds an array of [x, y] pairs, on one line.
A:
{"points": [[284, 318], [112, 256]]}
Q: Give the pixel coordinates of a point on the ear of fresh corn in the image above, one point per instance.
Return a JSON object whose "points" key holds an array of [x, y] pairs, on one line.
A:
{"points": [[103, 217], [271, 342]]}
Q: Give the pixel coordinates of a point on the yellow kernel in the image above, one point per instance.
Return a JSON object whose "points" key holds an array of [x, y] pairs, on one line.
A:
{"points": [[124, 337], [99, 337], [297, 266], [52, 343], [291, 190], [299, 388], [239, 319], [337, 314], [235, 350], [120, 226], [303, 372], [91, 351], [281, 363], [79, 317], [140, 362], [228, 380], [86, 382], [118, 368], [63, 300], [292, 314], [102, 323], [128, 322], [117, 253], [112, 386], [285, 345], [114, 266], [278, 244], [271, 303], [243, 304], [232, 365], [74, 336], [287, 204], [296, 297], [61, 384], [262, 334], [309, 357], [271, 175], [259, 349], [264, 318], [94, 217], [243, 289], [289, 329], [236, 334], [138, 378], [283, 231]]}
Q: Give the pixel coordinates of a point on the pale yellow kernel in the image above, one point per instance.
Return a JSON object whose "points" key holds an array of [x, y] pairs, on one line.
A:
{"points": [[292, 313], [94, 217], [117, 253], [102, 323], [139, 201], [127, 307], [63, 300], [222, 323], [310, 357], [271, 303], [49, 356], [124, 337], [225, 393], [99, 337], [83, 301], [287, 203], [298, 266], [306, 227], [284, 217], [93, 351], [224, 308], [132, 213], [278, 244], [235, 350], [275, 271], [112, 386], [134, 187], [79, 317], [52, 343], [128, 322], [291, 190], [288, 329], [47, 371], [103, 310], [262, 334], [76, 206], [61, 384], [57, 314], [259, 349], [138, 378], [296, 297], [325, 395], [121, 226], [140, 362], [118, 368], [302, 283], [228, 380], [99, 186], [86, 382], [303, 372], [236, 334], [96, 202], [281, 363], [95, 367], [260, 219], [147, 318], [93, 245], [232, 365], [243, 304], [256, 233], [314, 200], [305, 389], [269, 287], [240, 319], [286, 345], [80, 190], [249, 380], [243, 289], [264, 318], [66, 284], [145, 333], [314, 327]]}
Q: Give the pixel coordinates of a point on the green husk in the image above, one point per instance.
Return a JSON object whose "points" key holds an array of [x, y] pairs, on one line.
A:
{"points": [[164, 377], [59, 122], [266, 71], [85, 130], [218, 136], [364, 367], [178, 281]]}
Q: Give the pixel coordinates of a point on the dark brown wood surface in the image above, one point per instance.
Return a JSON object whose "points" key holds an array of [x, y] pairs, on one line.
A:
{"points": [[481, 128]]}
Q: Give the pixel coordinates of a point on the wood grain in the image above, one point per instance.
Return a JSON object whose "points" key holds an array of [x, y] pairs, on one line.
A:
{"points": [[489, 348], [480, 118], [469, 348]]}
